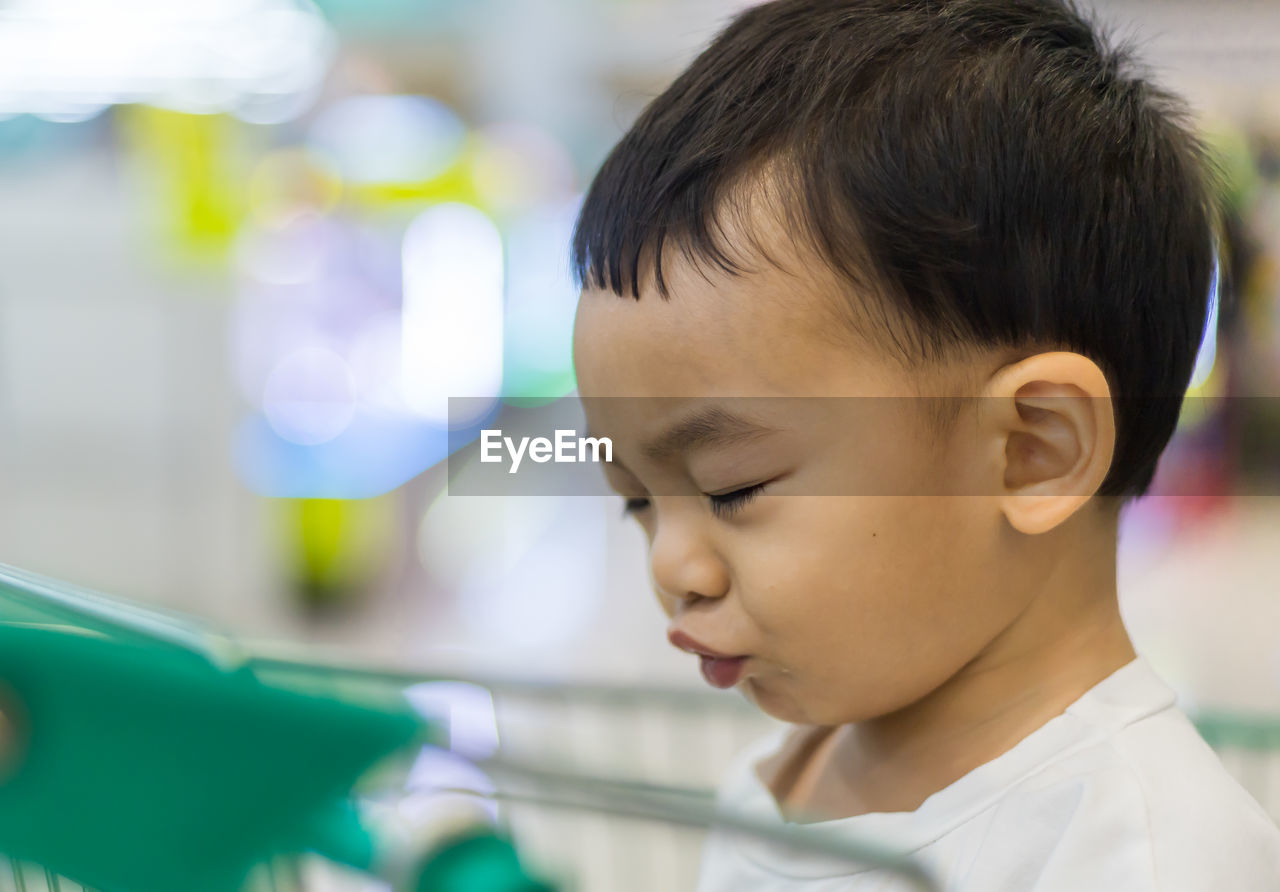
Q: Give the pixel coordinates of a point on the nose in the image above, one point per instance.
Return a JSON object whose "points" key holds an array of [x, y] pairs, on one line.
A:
{"points": [[684, 566]]}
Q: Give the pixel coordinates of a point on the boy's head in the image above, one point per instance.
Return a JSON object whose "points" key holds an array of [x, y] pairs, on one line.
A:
{"points": [[922, 198]]}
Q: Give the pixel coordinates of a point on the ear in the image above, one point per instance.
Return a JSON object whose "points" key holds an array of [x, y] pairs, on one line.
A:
{"points": [[1050, 418]]}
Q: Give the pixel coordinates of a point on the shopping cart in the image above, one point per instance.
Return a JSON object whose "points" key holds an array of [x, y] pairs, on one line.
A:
{"points": [[682, 738], [154, 755], [602, 787]]}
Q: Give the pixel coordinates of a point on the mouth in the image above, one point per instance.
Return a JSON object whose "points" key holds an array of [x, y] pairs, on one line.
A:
{"points": [[721, 670]]}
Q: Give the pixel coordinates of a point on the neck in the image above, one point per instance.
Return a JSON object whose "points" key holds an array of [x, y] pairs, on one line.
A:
{"points": [[1068, 638]]}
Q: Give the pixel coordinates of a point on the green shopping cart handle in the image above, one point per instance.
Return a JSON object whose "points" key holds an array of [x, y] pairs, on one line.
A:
{"points": [[148, 769], [145, 755]]}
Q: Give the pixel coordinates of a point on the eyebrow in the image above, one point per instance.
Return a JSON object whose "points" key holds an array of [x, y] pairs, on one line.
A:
{"points": [[708, 426]]}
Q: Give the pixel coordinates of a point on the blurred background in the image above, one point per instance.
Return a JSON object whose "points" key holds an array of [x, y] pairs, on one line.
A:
{"points": [[248, 247]]}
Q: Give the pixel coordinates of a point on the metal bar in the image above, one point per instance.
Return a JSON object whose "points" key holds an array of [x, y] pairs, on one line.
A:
{"points": [[614, 695], [690, 809]]}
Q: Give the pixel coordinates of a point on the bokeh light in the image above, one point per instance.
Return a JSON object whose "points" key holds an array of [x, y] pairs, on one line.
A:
{"points": [[290, 181], [310, 396], [260, 59], [389, 139], [517, 167], [453, 306]]}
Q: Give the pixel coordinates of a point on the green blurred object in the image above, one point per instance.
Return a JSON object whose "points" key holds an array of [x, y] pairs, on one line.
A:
{"points": [[1223, 730], [483, 861], [125, 749], [147, 755]]}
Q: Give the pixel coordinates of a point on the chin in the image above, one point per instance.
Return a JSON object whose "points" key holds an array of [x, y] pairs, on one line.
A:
{"points": [[795, 708], [781, 705]]}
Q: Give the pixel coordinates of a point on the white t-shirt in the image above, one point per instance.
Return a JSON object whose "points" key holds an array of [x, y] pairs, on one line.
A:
{"points": [[1117, 793]]}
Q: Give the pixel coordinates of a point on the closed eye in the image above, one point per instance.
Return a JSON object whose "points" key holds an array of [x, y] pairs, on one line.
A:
{"points": [[723, 505], [727, 504], [634, 506]]}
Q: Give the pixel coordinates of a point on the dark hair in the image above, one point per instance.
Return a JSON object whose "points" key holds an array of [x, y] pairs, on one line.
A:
{"points": [[994, 171]]}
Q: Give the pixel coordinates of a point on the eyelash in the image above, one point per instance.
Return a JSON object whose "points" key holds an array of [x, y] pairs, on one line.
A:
{"points": [[634, 506], [724, 505], [729, 503]]}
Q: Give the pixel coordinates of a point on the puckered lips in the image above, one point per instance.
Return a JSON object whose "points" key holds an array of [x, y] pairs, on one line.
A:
{"points": [[721, 670]]}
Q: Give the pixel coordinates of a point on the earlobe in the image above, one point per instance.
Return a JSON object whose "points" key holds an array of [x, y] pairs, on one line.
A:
{"points": [[1054, 427]]}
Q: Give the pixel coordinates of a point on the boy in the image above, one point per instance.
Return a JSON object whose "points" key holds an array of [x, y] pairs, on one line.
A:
{"points": [[936, 271]]}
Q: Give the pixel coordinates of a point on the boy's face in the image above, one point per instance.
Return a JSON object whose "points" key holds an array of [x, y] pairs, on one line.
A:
{"points": [[845, 606]]}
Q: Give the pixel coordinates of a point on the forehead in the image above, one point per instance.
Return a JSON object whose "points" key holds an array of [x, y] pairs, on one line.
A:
{"points": [[768, 331]]}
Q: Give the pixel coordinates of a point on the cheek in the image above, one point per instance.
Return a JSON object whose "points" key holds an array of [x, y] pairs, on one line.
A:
{"points": [[870, 602]]}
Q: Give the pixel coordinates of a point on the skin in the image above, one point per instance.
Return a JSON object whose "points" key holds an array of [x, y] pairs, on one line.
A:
{"points": [[915, 603]]}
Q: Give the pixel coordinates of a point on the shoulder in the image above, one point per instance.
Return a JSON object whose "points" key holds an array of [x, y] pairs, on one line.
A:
{"points": [[1149, 807], [1205, 827]]}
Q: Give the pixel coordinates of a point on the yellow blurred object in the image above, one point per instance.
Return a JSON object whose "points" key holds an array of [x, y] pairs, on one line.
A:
{"points": [[454, 184], [190, 161], [335, 549]]}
